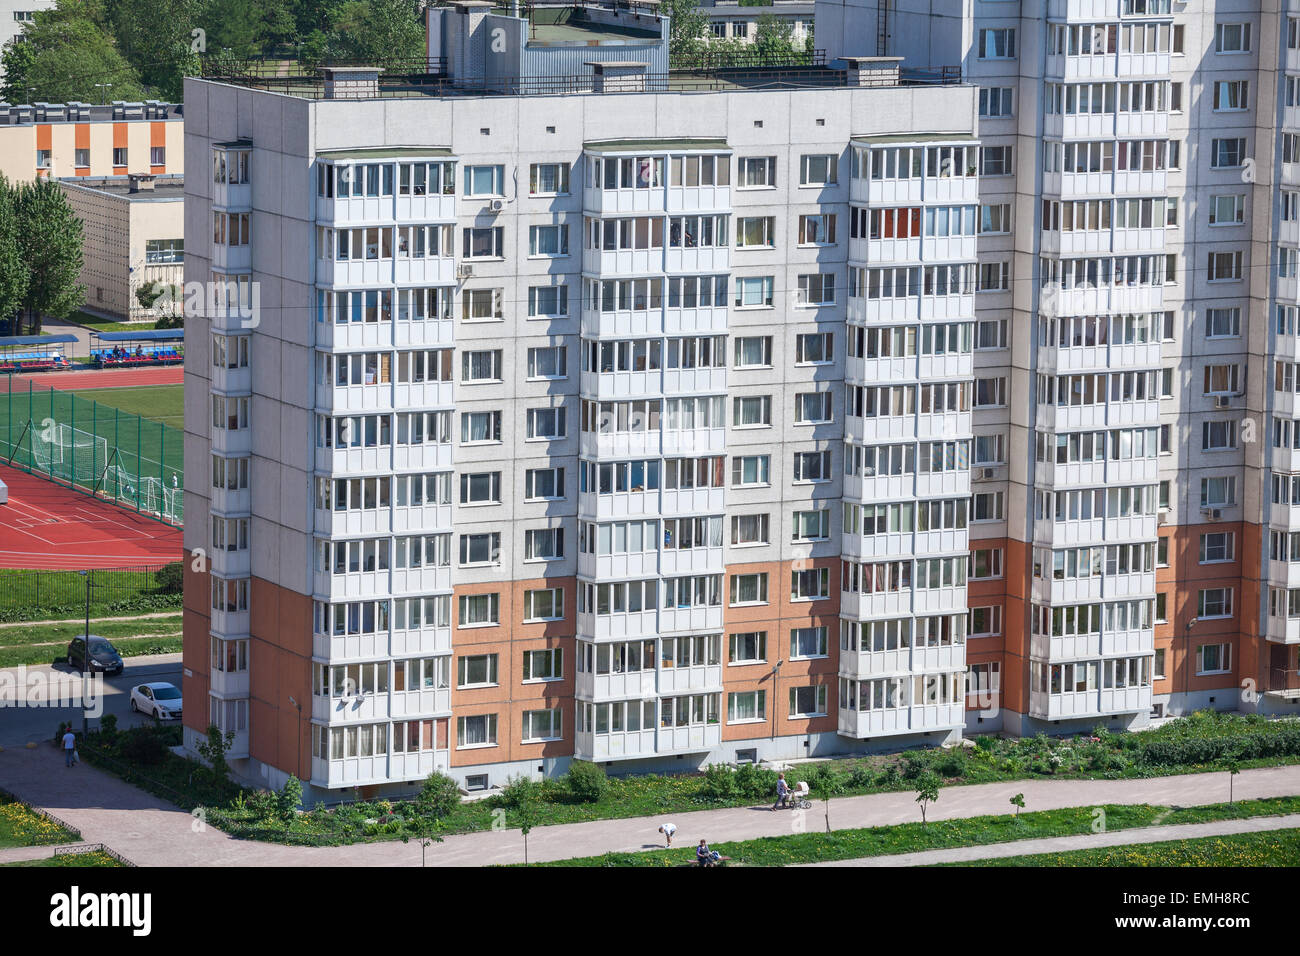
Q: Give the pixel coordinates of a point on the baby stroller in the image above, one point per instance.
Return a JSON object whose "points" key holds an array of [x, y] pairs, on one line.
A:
{"points": [[799, 797]]}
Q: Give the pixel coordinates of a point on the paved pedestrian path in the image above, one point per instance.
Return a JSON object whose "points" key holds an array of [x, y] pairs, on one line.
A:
{"points": [[1084, 841], [152, 832]]}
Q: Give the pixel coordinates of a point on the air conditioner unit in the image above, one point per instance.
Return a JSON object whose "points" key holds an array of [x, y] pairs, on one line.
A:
{"points": [[988, 473], [1214, 514], [464, 270], [1222, 401], [497, 205], [1162, 516]]}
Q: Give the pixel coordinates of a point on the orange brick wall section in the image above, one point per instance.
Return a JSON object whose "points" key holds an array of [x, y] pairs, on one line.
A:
{"points": [[196, 617], [511, 697], [120, 142], [81, 140], [279, 667], [157, 137], [778, 618]]}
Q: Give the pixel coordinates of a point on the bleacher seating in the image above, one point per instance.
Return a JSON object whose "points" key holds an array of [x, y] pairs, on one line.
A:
{"points": [[22, 362], [130, 358]]}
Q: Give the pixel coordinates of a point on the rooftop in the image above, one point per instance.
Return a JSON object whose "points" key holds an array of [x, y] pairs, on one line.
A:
{"points": [[23, 114], [153, 187]]}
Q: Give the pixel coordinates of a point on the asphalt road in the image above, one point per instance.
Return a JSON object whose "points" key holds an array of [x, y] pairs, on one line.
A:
{"points": [[33, 720]]}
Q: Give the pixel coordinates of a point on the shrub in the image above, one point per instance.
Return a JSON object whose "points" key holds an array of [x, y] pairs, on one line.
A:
{"points": [[719, 783], [439, 796], [755, 781], [915, 764], [108, 726], [170, 578], [586, 781], [518, 791], [143, 746], [860, 777], [289, 799]]}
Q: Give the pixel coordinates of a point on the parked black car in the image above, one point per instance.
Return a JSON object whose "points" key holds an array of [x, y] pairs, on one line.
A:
{"points": [[103, 655]]}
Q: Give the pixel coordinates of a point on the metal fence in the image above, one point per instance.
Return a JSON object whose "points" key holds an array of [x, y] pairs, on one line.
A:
{"points": [[95, 448], [36, 595]]}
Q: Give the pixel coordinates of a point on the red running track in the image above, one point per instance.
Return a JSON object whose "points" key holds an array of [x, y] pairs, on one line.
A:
{"points": [[50, 526], [103, 378]]}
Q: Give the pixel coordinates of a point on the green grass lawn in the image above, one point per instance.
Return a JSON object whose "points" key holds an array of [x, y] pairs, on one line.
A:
{"points": [[22, 826], [97, 323], [30, 595], [46, 643], [95, 858], [819, 847], [158, 403], [1274, 848]]}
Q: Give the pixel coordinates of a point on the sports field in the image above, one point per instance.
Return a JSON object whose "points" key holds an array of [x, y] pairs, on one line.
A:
{"points": [[159, 403]]}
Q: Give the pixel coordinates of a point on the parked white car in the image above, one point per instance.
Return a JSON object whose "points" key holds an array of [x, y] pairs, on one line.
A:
{"points": [[159, 699]]}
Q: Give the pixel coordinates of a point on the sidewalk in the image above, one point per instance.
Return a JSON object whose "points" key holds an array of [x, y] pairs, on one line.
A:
{"points": [[1084, 841], [151, 832]]}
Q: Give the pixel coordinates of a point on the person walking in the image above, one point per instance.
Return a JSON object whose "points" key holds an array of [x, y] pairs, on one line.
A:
{"points": [[782, 791], [668, 829], [69, 748]]}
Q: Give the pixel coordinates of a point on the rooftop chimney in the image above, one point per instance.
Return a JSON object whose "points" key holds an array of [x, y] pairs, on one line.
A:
{"points": [[873, 70], [351, 82], [617, 76], [139, 183]]}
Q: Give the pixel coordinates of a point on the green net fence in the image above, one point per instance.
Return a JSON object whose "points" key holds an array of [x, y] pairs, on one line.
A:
{"points": [[93, 447]]}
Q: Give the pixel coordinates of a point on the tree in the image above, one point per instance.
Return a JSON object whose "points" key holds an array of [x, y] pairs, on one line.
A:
{"points": [[775, 39], [688, 27], [927, 790], [439, 796], [828, 784], [214, 748], [1018, 801], [526, 817], [236, 25], [425, 831], [49, 238], [68, 54], [156, 38], [378, 31], [289, 799], [13, 270], [1234, 768]]}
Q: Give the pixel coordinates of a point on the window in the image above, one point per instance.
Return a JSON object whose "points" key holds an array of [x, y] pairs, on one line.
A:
{"points": [[548, 179], [1214, 602], [749, 470], [1213, 658], [756, 172], [548, 301], [818, 170], [544, 604], [752, 412], [997, 44], [1218, 492], [695, 171], [757, 232], [480, 549], [753, 351], [485, 180], [995, 218], [817, 289], [1224, 266], [480, 488], [119, 155], [1217, 546], [812, 408], [479, 731], [545, 424], [543, 544], [746, 706], [480, 427], [157, 156], [1227, 210], [985, 621], [550, 240], [812, 584], [749, 529], [542, 724], [480, 366], [993, 277], [996, 161], [547, 362], [481, 305], [164, 251], [488, 243], [812, 466], [811, 525], [1227, 153], [817, 230], [748, 589], [1230, 95], [749, 647], [808, 642], [1218, 436], [995, 102], [808, 701], [480, 610], [754, 292]]}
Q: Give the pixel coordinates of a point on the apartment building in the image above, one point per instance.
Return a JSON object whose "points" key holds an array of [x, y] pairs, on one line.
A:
{"points": [[72, 140], [731, 20], [14, 16], [594, 410], [586, 422], [1136, 196]]}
